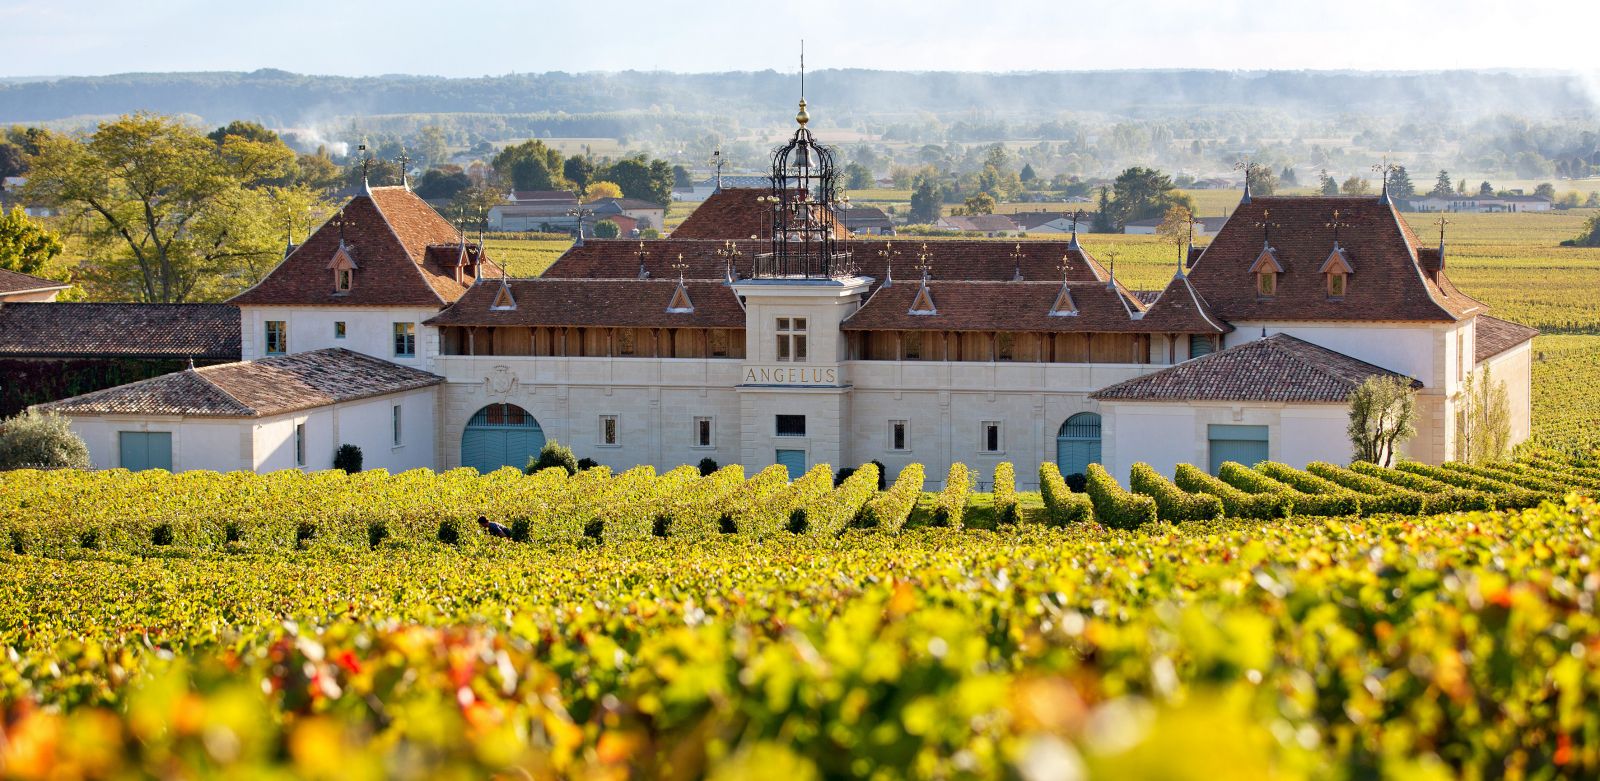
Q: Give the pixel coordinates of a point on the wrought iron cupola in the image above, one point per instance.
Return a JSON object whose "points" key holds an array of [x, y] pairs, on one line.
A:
{"points": [[805, 234]]}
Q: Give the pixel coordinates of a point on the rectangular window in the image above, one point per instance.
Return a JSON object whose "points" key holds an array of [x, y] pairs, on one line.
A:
{"points": [[394, 419], [338, 329], [790, 426], [898, 435], [299, 444], [991, 437], [1461, 355], [1336, 285], [702, 432], [343, 280], [608, 429], [791, 339], [277, 337], [405, 340]]}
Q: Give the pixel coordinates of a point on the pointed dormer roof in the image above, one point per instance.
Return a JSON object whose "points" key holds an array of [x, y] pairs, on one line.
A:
{"points": [[1267, 261], [342, 259], [680, 303], [1180, 309], [503, 298], [923, 303], [1337, 262], [1064, 305]]}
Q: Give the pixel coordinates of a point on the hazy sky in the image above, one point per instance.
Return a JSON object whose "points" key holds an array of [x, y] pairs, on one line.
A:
{"points": [[78, 37]]}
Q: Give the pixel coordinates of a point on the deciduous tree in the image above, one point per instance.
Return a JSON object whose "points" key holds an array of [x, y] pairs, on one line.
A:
{"points": [[1139, 193], [924, 201], [599, 191], [1382, 415], [25, 245], [530, 165], [982, 203], [1355, 185], [1483, 419], [167, 214]]}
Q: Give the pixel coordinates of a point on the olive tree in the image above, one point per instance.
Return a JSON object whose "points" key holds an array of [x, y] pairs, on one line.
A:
{"points": [[1383, 413]]}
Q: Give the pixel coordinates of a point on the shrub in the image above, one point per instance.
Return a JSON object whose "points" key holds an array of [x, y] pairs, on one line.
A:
{"points": [[377, 532], [36, 439], [1379, 497], [1115, 507], [1505, 495], [1077, 482], [89, 540], [1173, 504], [161, 534], [798, 522], [1005, 493], [1247, 479], [521, 529], [707, 466], [449, 532], [1513, 476], [554, 454], [951, 503], [19, 542], [1062, 505], [1442, 497], [842, 475], [1326, 495], [585, 464], [304, 532], [834, 512], [890, 509], [1235, 503], [347, 457]]}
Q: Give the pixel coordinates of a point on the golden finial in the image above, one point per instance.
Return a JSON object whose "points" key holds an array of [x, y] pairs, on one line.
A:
{"points": [[802, 117]]}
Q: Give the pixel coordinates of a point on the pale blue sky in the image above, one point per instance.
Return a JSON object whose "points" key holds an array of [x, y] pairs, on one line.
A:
{"points": [[77, 37]]}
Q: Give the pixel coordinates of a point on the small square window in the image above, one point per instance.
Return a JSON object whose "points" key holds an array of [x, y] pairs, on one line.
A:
{"points": [[790, 426], [991, 437], [338, 329], [608, 429], [899, 435], [702, 432], [405, 340]]}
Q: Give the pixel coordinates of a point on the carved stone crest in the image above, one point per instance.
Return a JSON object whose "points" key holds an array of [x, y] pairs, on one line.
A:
{"points": [[501, 381]]}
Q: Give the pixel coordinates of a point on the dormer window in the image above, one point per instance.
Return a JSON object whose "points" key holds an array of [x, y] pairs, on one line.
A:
{"points": [[1336, 269], [344, 270], [1267, 268]]}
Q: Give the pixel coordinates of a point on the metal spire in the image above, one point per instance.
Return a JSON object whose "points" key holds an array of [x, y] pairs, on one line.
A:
{"points": [[404, 162], [366, 163], [1248, 167], [1384, 169]]}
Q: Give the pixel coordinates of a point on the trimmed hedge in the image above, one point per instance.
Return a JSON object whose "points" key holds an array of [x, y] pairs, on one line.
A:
{"points": [[1115, 507], [1527, 482], [1378, 496], [951, 503], [1530, 477], [890, 509], [1062, 506], [1505, 495], [1173, 504], [1235, 503], [833, 513], [1442, 497], [1247, 479], [1323, 489], [1005, 493]]}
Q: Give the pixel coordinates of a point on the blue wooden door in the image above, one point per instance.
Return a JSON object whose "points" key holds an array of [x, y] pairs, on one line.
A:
{"points": [[1078, 443], [794, 461], [1245, 444], [144, 450], [500, 435]]}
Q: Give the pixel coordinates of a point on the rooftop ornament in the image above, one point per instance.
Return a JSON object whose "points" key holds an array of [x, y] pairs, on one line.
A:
{"points": [[804, 197]]}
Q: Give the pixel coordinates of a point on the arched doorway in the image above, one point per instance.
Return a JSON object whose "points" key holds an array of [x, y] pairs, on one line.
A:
{"points": [[500, 435], [1078, 443]]}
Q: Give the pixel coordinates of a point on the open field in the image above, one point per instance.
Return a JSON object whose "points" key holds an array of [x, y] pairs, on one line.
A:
{"points": [[526, 257], [1298, 648]]}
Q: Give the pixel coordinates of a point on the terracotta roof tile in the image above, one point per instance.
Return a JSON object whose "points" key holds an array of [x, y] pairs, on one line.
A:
{"points": [[1387, 283], [17, 282], [965, 305], [63, 330], [1279, 368], [948, 259], [1180, 309], [254, 389], [1494, 336], [597, 302], [389, 234], [733, 213]]}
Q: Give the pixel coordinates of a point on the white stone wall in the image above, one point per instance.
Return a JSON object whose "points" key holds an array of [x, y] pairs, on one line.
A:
{"points": [[1514, 367], [368, 330], [1164, 435], [217, 444]]}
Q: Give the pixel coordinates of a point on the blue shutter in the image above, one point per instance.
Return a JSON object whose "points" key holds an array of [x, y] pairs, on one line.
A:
{"points": [[794, 461], [138, 450], [1244, 444]]}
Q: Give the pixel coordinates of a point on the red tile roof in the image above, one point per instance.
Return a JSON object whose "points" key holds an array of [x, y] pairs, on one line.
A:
{"points": [[970, 259], [1494, 336], [1180, 309], [147, 331], [254, 389], [1279, 368], [1387, 281], [404, 250], [18, 282], [638, 303], [965, 305], [734, 213]]}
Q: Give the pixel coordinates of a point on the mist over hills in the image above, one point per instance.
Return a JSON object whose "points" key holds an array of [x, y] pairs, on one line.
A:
{"points": [[287, 99]]}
